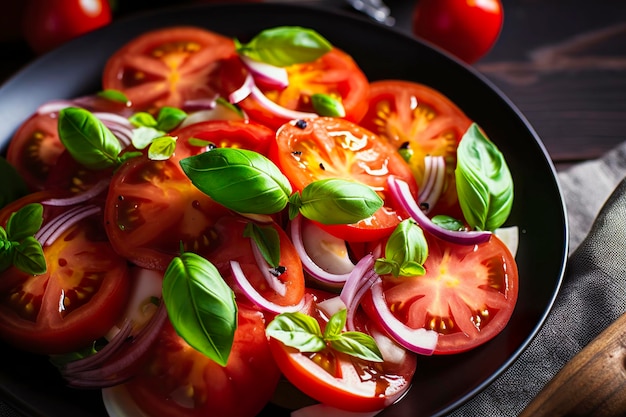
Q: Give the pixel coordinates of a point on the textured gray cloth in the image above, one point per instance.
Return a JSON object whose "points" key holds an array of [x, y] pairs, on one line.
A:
{"points": [[592, 296]]}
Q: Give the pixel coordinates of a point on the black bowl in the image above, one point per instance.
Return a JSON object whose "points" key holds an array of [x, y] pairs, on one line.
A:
{"points": [[442, 383]]}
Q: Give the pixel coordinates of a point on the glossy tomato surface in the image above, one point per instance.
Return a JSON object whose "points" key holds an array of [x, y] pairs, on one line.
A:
{"points": [[180, 381], [466, 28], [167, 67], [49, 23], [77, 300]]}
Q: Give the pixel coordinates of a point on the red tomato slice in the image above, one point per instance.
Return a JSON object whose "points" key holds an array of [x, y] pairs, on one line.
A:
{"points": [[167, 67], [327, 147], [343, 381], [468, 293], [35, 148], [178, 380], [416, 116], [235, 246], [335, 74], [77, 300]]}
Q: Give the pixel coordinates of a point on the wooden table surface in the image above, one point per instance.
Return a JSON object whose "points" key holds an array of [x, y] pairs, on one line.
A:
{"points": [[561, 62]]}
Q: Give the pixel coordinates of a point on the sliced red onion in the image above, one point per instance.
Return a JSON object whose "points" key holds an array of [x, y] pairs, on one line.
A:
{"points": [[249, 88], [254, 296], [421, 341], [54, 106], [57, 226], [434, 180], [274, 76], [118, 366], [402, 193], [357, 284], [309, 265], [324, 410], [273, 281], [120, 126], [88, 194], [200, 104]]}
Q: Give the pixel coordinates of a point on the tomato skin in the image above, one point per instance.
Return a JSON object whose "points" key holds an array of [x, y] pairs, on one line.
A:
{"points": [[326, 147], [468, 293], [49, 23], [177, 373], [335, 74], [466, 28], [83, 271], [167, 67]]}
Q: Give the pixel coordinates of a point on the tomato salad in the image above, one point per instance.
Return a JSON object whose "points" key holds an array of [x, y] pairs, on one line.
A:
{"points": [[227, 212]]}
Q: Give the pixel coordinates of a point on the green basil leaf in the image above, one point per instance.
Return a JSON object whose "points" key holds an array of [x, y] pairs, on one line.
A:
{"points": [[87, 139], [7, 251], [267, 240], [357, 344], [28, 256], [169, 118], [285, 45], [114, 95], [144, 119], [200, 305], [335, 324], [143, 136], [13, 186], [406, 251], [338, 201], [484, 182], [448, 222], [297, 330], [25, 222], [326, 105], [239, 179], [162, 148]]}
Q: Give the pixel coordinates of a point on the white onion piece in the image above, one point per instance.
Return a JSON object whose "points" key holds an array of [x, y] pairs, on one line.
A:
{"points": [[402, 194], [434, 178], [510, 237], [421, 341], [316, 271], [323, 410], [217, 113], [254, 296], [273, 281], [119, 403], [92, 192], [242, 92], [331, 306], [272, 75]]}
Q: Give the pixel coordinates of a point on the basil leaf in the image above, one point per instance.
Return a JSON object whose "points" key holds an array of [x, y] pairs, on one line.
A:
{"points": [[337, 201], [335, 324], [144, 135], [239, 179], [28, 256], [267, 240], [162, 148], [25, 222], [7, 251], [200, 305], [114, 95], [13, 186], [285, 45], [169, 118], [357, 344], [87, 139], [448, 222], [484, 182], [298, 331], [144, 119], [326, 105], [406, 251]]}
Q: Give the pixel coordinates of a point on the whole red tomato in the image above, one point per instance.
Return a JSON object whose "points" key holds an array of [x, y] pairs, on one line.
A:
{"points": [[49, 23], [466, 28]]}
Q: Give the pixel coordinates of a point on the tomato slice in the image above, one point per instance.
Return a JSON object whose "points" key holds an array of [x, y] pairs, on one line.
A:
{"points": [[467, 294], [334, 73], [35, 148], [178, 380], [77, 300], [344, 381], [419, 118], [235, 246], [326, 147], [167, 67]]}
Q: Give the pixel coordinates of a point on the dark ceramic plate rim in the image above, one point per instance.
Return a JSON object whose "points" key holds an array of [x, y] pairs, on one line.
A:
{"points": [[74, 69]]}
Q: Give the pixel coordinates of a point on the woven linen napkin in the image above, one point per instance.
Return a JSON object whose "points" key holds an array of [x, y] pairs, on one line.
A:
{"points": [[593, 293]]}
